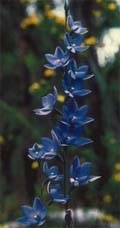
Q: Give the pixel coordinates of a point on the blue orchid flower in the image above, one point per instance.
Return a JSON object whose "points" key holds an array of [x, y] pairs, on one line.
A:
{"points": [[70, 135], [54, 190], [47, 150], [35, 152], [35, 215], [48, 103], [75, 26], [80, 72], [80, 173], [74, 43], [74, 86], [59, 59], [52, 173], [73, 114]]}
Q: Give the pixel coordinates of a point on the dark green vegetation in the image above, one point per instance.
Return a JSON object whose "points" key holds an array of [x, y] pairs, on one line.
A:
{"points": [[24, 81]]}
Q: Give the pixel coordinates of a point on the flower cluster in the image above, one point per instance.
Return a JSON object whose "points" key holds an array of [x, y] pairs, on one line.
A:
{"points": [[69, 130]]}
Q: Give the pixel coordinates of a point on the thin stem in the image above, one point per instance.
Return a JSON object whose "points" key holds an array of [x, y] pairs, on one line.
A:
{"points": [[57, 111], [66, 8], [68, 217]]}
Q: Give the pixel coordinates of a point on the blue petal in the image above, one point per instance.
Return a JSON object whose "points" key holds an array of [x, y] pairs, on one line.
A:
{"points": [[51, 58], [45, 168], [41, 222], [28, 211], [83, 68], [60, 198], [59, 53], [55, 140], [84, 169], [50, 66], [81, 48], [40, 209], [81, 92], [26, 221], [70, 21], [88, 77], [49, 155], [82, 111], [55, 93], [42, 111], [82, 141], [48, 100], [67, 39], [74, 166], [94, 178]]}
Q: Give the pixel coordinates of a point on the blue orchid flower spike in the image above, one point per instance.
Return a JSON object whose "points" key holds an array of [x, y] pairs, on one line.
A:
{"points": [[52, 173], [75, 26], [35, 215], [59, 59], [54, 190], [80, 173], [74, 43], [48, 103]]}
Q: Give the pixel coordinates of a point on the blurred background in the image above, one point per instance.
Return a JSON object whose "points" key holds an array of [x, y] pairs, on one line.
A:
{"points": [[29, 29]]}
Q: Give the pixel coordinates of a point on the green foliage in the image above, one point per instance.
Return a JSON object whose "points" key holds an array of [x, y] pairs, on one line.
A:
{"points": [[22, 63]]}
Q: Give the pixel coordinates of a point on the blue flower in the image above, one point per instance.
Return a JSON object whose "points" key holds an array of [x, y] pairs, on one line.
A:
{"points": [[76, 115], [59, 59], [74, 43], [74, 86], [75, 26], [80, 72], [71, 135], [48, 103], [54, 190], [35, 215], [52, 173], [35, 152], [47, 150], [80, 173]]}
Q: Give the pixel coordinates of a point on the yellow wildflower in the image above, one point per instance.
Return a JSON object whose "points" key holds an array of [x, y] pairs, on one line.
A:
{"points": [[42, 82], [99, 1], [107, 218], [35, 86], [35, 165], [90, 40], [112, 140], [117, 177], [112, 6], [107, 198], [47, 7], [10, 136], [49, 13], [57, 18], [48, 73], [60, 20], [97, 13], [4, 226], [61, 98], [117, 166], [31, 20], [29, 1], [2, 139]]}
